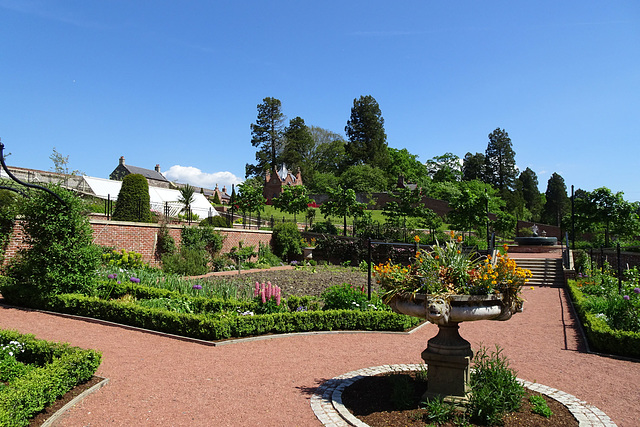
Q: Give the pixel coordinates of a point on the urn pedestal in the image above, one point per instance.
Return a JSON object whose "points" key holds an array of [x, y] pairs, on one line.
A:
{"points": [[448, 355]]}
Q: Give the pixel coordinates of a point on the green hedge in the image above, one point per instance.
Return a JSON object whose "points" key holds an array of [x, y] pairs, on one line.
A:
{"points": [[60, 367], [218, 327], [600, 336]]}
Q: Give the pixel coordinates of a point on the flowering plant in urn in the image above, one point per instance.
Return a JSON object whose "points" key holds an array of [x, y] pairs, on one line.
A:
{"points": [[446, 272]]}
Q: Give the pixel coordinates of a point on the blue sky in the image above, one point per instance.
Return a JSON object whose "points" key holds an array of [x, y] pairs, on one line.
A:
{"points": [[177, 83]]}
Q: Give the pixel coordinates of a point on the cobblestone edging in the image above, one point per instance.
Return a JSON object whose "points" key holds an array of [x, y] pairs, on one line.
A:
{"points": [[327, 405]]}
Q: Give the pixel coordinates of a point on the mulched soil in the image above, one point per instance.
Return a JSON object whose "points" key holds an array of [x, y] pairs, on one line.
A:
{"points": [[306, 280], [161, 380], [370, 400]]}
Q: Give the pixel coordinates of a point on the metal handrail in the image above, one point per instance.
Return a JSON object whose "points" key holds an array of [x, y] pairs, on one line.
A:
{"points": [[25, 184]]}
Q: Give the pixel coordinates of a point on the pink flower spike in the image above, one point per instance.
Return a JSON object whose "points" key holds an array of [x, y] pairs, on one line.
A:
{"points": [[264, 297], [256, 291]]}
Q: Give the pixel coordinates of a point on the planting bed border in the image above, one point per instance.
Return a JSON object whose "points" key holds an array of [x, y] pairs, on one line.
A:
{"points": [[327, 404]]}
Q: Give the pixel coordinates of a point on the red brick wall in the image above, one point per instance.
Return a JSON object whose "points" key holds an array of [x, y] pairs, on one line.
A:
{"points": [[143, 238]]}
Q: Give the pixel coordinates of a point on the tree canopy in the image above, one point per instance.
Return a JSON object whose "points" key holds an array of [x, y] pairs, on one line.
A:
{"points": [[500, 161], [557, 201], [365, 130], [267, 134]]}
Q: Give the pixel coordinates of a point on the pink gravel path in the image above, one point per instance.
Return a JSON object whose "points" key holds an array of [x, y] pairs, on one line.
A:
{"points": [[163, 381]]}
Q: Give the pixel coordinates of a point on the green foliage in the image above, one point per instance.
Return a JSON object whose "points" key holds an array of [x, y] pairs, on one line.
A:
{"points": [[286, 240], [364, 179], [133, 202], [216, 221], [267, 135], [61, 257], [202, 238], [123, 259], [48, 370], [325, 227], [299, 147], [342, 203], [7, 214], [187, 262], [557, 202], [166, 243], [266, 256], [186, 197], [365, 130], [293, 199], [445, 168], [439, 411], [495, 389], [338, 250], [540, 406], [349, 297], [600, 335], [216, 199], [250, 198], [500, 161]]}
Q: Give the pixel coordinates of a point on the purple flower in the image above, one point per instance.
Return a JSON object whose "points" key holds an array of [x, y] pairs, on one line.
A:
{"points": [[118, 282], [636, 290], [626, 297], [197, 286], [111, 276], [135, 280]]}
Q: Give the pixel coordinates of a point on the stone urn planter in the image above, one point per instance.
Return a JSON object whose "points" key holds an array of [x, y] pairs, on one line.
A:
{"points": [[448, 355]]}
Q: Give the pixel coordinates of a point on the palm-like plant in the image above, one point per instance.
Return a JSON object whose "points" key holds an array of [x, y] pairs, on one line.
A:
{"points": [[186, 196]]}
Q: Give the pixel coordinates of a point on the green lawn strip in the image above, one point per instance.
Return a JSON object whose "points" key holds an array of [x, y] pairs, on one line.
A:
{"points": [[57, 368], [600, 336]]}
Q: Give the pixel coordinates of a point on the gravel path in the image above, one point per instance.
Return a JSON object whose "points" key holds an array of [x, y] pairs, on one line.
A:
{"points": [[163, 381]]}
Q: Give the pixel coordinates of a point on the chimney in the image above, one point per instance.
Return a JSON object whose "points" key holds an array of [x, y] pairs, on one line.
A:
{"points": [[121, 160], [158, 168]]}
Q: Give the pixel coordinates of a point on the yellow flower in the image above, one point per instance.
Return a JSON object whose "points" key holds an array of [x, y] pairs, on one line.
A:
{"points": [[459, 239], [417, 239]]}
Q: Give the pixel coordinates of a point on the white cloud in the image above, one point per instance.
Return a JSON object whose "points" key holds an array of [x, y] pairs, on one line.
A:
{"points": [[194, 176]]}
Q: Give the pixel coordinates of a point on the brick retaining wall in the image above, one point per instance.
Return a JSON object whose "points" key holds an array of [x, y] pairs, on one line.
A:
{"points": [[143, 237]]}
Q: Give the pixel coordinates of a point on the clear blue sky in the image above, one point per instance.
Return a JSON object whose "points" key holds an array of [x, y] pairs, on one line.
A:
{"points": [[177, 83]]}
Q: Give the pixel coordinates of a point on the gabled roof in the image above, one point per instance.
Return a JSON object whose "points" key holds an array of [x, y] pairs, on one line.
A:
{"points": [[147, 173]]}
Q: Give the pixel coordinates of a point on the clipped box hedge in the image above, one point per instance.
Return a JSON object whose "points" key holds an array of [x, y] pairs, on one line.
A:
{"points": [[599, 334], [59, 368]]}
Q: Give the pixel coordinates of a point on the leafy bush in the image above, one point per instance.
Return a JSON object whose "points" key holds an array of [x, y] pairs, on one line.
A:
{"points": [[286, 240], [349, 297], [202, 238], [123, 259], [7, 215], [187, 262], [324, 228], [495, 389], [340, 249], [215, 221], [540, 406], [133, 202], [50, 370], [166, 243], [266, 256], [61, 257]]}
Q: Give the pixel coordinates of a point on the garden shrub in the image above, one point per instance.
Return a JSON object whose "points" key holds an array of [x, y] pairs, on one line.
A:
{"points": [[600, 335], [133, 202], [51, 370], [338, 250], [187, 262], [324, 228], [61, 257], [286, 240], [349, 297], [7, 215], [215, 221], [123, 259], [166, 243], [206, 238], [266, 256], [495, 389]]}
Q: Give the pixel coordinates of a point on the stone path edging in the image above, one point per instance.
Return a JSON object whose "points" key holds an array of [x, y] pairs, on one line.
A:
{"points": [[327, 404], [60, 412]]}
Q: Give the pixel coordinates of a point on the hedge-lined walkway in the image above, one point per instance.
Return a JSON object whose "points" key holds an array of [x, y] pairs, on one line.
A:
{"points": [[158, 380]]}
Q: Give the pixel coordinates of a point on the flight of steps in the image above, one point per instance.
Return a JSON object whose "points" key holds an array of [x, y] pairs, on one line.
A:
{"points": [[546, 271]]}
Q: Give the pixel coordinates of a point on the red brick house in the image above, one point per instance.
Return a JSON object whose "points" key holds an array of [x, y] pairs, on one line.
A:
{"points": [[274, 182]]}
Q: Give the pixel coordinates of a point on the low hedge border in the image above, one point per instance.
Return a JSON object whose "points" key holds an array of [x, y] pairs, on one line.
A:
{"points": [[601, 337], [60, 367], [207, 326]]}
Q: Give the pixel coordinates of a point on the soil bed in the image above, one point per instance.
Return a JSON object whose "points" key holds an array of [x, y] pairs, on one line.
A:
{"points": [[370, 400]]}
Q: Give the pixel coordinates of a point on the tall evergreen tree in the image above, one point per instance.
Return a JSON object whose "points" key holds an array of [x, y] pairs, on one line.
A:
{"points": [[557, 200], [500, 161], [527, 185], [473, 167], [365, 129], [267, 134], [298, 147]]}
